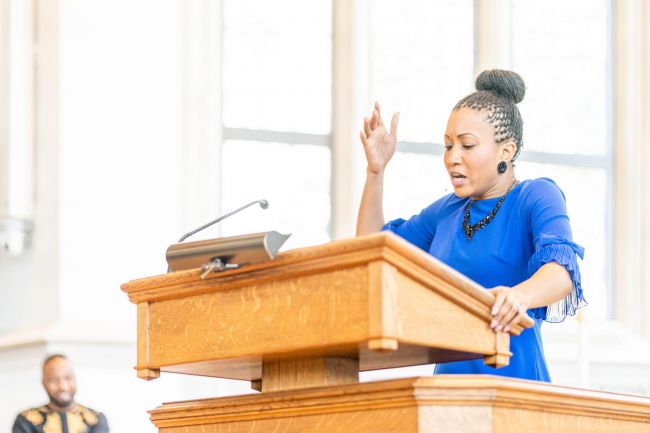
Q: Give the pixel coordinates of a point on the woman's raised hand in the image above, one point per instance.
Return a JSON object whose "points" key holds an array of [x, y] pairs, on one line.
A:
{"points": [[378, 144]]}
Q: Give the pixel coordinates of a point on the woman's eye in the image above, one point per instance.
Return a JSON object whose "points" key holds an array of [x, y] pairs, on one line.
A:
{"points": [[448, 146], [468, 146]]}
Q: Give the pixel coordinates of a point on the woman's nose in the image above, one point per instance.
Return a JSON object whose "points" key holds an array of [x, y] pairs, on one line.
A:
{"points": [[453, 156]]}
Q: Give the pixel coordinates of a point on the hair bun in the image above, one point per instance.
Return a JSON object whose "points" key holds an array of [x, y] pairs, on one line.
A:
{"points": [[505, 83]]}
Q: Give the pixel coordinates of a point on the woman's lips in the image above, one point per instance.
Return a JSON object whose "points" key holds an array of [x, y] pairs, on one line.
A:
{"points": [[458, 180]]}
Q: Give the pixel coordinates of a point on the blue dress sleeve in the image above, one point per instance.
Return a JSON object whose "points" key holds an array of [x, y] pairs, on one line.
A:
{"points": [[421, 228], [553, 242]]}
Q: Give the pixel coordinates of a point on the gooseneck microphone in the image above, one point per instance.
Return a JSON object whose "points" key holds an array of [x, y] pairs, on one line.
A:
{"points": [[263, 204]]}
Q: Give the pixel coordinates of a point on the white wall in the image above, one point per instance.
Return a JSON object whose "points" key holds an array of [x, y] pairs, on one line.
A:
{"points": [[109, 181], [120, 188], [108, 201]]}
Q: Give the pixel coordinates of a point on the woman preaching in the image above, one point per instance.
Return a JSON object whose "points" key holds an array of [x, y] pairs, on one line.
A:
{"points": [[510, 236]]}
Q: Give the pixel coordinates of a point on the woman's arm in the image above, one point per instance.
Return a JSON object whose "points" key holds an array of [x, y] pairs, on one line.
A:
{"points": [[379, 147], [549, 284], [371, 209]]}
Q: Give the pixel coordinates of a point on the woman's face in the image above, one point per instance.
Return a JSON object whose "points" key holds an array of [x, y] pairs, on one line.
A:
{"points": [[472, 155]]}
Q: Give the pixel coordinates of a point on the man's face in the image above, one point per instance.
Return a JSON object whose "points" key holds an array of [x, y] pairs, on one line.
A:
{"points": [[59, 382]]}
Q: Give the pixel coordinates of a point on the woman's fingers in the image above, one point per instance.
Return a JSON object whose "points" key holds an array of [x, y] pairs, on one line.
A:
{"points": [[393, 125], [380, 121], [366, 127], [375, 133], [511, 310], [514, 320], [502, 305], [496, 307], [508, 309], [497, 319], [364, 139]]}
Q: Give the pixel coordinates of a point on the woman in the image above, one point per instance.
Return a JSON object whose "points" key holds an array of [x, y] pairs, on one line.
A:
{"points": [[509, 235]]}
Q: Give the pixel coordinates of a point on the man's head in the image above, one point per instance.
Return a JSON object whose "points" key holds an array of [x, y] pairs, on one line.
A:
{"points": [[59, 382]]}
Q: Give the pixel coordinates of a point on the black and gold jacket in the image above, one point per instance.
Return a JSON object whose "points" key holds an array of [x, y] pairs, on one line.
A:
{"points": [[45, 420]]}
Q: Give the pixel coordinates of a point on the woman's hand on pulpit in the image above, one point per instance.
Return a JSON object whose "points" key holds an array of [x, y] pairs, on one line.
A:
{"points": [[509, 308]]}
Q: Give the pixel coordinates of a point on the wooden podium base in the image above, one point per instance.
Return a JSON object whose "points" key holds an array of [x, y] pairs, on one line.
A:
{"points": [[437, 404]]}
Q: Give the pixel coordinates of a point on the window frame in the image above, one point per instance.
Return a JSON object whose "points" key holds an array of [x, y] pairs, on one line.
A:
{"points": [[628, 187]]}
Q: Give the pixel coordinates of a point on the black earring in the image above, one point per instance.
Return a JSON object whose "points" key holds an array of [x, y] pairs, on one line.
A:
{"points": [[502, 167]]}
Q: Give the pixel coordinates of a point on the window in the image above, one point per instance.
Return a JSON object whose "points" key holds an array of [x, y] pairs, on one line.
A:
{"points": [[566, 115], [276, 116], [420, 64], [277, 107]]}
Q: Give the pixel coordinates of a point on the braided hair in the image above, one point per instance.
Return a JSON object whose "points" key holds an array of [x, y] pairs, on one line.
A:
{"points": [[497, 93]]}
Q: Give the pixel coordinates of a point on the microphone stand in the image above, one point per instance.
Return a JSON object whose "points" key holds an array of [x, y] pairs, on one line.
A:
{"points": [[263, 204]]}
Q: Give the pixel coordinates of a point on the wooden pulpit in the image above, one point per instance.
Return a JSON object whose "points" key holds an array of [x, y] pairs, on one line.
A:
{"points": [[302, 326]]}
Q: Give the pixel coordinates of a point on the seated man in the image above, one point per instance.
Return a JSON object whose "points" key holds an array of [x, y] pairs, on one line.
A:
{"points": [[62, 414]]}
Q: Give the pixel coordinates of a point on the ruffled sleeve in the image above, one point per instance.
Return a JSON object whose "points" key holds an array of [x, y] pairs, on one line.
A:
{"points": [[553, 242], [565, 253]]}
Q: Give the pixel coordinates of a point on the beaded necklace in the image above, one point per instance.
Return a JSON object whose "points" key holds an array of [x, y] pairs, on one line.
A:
{"points": [[470, 229]]}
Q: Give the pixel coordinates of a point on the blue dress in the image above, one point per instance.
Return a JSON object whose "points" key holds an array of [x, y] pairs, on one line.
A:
{"points": [[531, 229]]}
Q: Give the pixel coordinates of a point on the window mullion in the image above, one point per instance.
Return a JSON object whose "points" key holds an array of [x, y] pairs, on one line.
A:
{"points": [[349, 99], [492, 35], [631, 159]]}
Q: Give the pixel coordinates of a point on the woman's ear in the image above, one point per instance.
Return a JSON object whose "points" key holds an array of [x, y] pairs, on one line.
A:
{"points": [[507, 151]]}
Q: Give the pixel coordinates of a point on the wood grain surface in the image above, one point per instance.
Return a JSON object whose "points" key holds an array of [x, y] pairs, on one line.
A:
{"points": [[377, 300], [343, 253], [440, 404]]}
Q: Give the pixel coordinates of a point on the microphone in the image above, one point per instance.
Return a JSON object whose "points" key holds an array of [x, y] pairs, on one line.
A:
{"points": [[263, 204]]}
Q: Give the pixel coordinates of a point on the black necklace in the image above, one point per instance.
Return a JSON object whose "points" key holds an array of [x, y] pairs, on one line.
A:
{"points": [[470, 229]]}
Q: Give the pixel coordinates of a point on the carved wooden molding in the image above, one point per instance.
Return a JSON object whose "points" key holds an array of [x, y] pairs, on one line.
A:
{"points": [[540, 401]]}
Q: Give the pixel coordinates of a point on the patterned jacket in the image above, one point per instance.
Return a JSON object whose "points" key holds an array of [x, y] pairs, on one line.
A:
{"points": [[45, 420]]}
